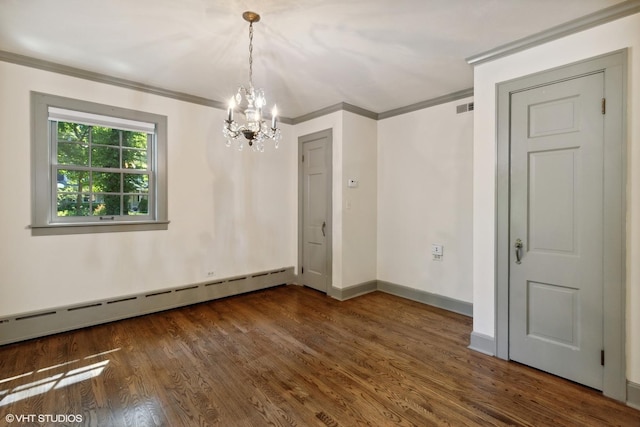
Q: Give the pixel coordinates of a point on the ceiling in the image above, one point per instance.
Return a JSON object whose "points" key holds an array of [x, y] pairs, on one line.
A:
{"points": [[308, 54]]}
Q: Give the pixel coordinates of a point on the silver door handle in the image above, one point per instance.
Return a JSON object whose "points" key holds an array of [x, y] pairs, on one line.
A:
{"points": [[518, 246], [324, 226]]}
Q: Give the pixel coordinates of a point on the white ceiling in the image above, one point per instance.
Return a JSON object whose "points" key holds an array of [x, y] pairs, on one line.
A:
{"points": [[308, 54]]}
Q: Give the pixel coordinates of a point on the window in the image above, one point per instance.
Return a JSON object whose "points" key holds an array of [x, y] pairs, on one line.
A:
{"points": [[97, 168]]}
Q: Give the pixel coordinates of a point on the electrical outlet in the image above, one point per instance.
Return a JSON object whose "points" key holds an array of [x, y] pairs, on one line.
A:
{"points": [[211, 273]]}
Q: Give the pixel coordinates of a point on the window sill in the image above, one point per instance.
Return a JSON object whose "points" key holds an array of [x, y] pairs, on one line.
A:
{"points": [[92, 228]]}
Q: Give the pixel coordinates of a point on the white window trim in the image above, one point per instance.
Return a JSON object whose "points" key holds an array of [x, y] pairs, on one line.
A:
{"points": [[45, 106]]}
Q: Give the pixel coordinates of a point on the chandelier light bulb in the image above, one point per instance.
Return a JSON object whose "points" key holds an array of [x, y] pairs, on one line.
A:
{"points": [[274, 116], [232, 106]]}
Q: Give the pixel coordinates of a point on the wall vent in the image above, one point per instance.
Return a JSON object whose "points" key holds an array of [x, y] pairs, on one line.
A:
{"points": [[23, 326], [463, 108]]}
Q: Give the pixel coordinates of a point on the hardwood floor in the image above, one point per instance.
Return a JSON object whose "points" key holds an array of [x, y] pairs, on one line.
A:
{"points": [[287, 356]]}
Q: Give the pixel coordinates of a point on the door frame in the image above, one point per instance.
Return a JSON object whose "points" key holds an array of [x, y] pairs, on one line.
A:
{"points": [[614, 67], [328, 133]]}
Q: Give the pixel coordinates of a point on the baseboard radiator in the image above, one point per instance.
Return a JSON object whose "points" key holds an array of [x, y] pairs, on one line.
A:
{"points": [[25, 326]]}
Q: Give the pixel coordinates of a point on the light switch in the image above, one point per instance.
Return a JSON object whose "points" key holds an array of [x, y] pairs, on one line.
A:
{"points": [[437, 251]]}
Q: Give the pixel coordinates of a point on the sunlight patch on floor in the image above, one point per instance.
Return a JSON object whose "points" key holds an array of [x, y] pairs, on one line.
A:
{"points": [[54, 382]]}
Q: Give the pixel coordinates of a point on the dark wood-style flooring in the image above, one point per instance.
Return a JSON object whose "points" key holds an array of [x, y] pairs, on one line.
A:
{"points": [[288, 356]]}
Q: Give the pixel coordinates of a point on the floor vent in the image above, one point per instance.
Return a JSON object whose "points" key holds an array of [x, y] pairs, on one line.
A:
{"points": [[25, 326]]}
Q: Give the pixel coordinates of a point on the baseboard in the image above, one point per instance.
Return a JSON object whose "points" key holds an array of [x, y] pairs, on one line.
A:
{"points": [[435, 300], [25, 326], [482, 343], [343, 294], [633, 395]]}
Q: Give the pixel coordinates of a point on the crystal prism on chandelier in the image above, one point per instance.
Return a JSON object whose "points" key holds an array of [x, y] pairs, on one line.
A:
{"points": [[251, 102]]}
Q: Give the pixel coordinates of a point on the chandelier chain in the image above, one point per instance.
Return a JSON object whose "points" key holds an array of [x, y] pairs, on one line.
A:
{"points": [[251, 54]]}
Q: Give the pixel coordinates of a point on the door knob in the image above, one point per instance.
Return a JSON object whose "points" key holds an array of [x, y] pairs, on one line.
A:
{"points": [[518, 247]]}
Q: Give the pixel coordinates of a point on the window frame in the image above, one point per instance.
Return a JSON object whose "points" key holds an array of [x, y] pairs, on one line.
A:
{"points": [[45, 220]]}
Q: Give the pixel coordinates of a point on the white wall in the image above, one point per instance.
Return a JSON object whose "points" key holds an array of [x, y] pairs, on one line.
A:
{"points": [[359, 205], [606, 38], [425, 198], [354, 209], [224, 206]]}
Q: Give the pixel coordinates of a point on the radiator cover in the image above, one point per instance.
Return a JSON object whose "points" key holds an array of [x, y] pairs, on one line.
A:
{"points": [[25, 326]]}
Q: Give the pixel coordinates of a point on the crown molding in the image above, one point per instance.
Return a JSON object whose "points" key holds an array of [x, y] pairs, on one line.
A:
{"points": [[341, 106], [620, 10], [54, 67], [318, 113], [104, 78], [428, 103], [360, 111]]}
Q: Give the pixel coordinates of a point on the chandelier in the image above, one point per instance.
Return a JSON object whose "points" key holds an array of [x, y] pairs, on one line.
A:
{"points": [[250, 101]]}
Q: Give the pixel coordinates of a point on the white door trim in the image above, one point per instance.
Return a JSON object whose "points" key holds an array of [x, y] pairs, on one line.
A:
{"points": [[614, 66]]}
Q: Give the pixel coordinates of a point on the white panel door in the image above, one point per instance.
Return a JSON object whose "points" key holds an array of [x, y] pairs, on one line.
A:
{"points": [[556, 229]]}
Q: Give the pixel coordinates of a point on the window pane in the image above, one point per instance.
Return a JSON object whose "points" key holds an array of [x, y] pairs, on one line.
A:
{"points": [[138, 204], [73, 204], [106, 182], [73, 153], [73, 132], [134, 139], [105, 136], [136, 183], [70, 180], [107, 205], [134, 159], [105, 157], [98, 204]]}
